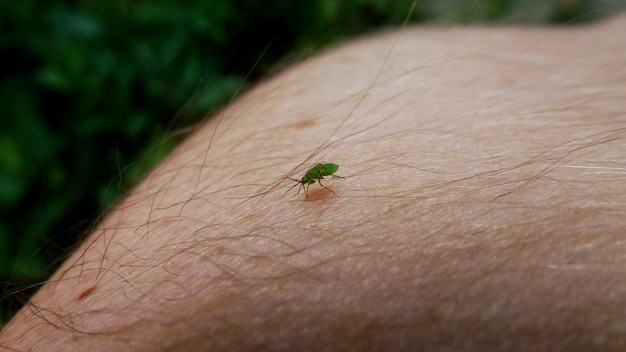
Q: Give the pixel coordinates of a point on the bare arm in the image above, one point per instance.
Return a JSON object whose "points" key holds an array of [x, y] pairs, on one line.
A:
{"points": [[483, 209]]}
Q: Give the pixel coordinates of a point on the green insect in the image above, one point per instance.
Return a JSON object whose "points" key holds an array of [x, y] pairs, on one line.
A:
{"points": [[317, 172]]}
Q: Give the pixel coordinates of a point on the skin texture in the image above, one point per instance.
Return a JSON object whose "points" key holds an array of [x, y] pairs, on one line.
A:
{"points": [[482, 210]]}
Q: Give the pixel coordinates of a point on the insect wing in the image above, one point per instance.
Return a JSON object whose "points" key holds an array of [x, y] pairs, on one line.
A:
{"points": [[328, 169]]}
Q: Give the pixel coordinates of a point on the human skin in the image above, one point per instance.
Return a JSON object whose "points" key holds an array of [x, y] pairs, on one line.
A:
{"points": [[483, 209]]}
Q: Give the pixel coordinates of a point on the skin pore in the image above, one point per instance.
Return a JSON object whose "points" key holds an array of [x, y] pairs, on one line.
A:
{"points": [[482, 209]]}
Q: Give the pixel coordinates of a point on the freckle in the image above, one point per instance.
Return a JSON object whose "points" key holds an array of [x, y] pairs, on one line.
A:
{"points": [[508, 81], [433, 317], [220, 250], [305, 123], [85, 293], [248, 218]]}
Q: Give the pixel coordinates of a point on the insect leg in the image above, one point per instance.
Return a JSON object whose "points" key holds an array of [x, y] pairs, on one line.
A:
{"points": [[320, 181], [306, 191]]}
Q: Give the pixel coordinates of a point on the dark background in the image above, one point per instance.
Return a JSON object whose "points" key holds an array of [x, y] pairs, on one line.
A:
{"points": [[94, 93]]}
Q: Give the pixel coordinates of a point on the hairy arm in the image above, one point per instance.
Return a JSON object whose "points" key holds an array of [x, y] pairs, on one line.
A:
{"points": [[482, 209]]}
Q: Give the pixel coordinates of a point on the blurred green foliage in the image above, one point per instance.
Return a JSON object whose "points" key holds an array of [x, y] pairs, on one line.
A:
{"points": [[89, 91]]}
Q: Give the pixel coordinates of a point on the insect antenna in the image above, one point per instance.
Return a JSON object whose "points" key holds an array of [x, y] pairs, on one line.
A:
{"points": [[290, 188]]}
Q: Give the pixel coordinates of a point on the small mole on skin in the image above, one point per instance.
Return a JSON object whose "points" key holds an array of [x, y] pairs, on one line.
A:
{"points": [[305, 123], [85, 293], [433, 317]]}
